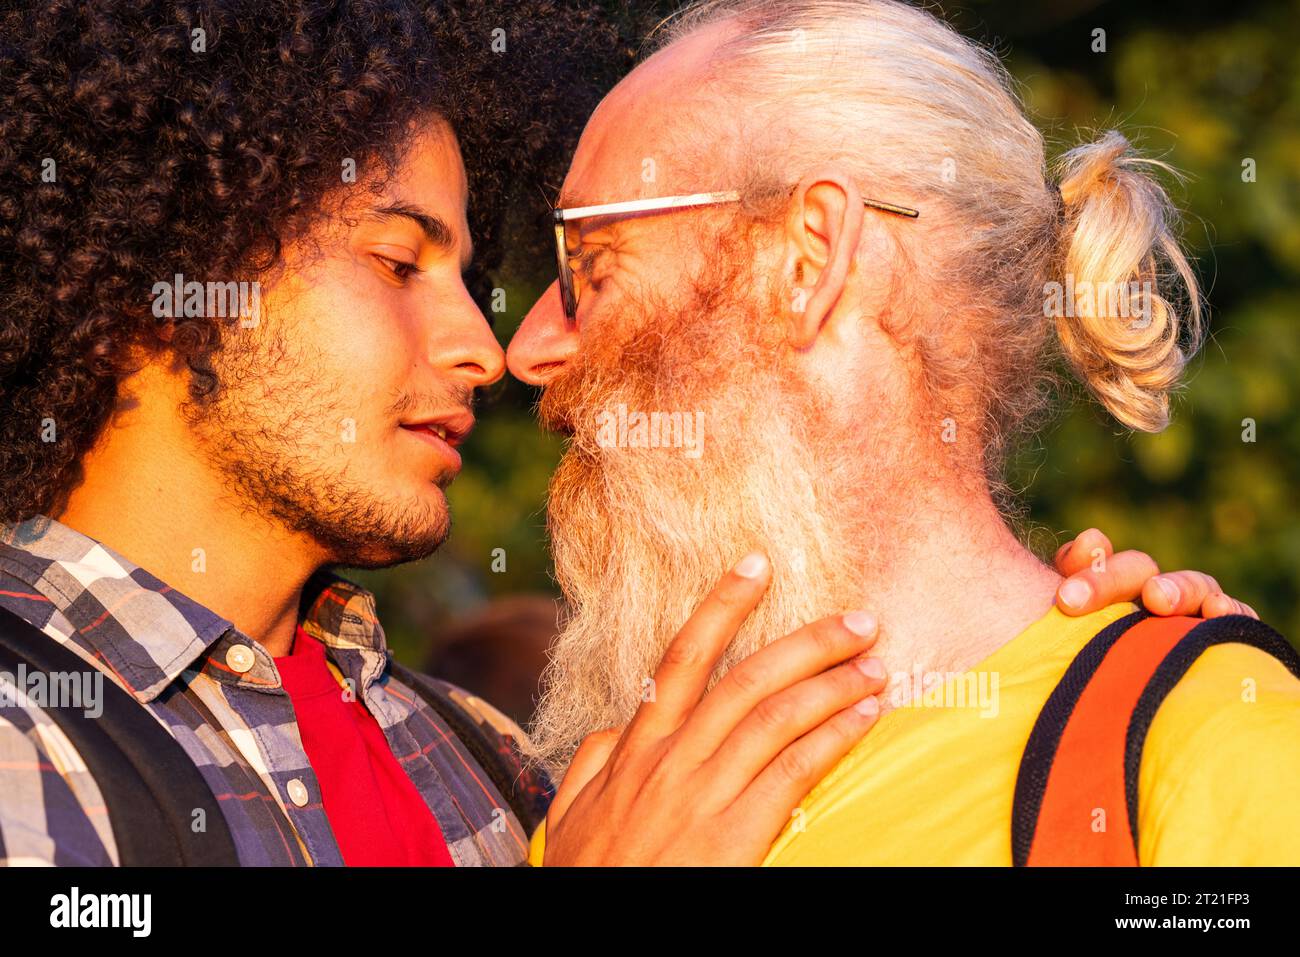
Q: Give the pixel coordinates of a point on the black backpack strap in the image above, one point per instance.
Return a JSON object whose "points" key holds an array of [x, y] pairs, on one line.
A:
{"points": [[527, 790], [150, 785]]}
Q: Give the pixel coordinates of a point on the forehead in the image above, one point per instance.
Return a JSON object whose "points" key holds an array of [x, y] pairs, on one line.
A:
{"points": [[432, 173], [627, 150]]}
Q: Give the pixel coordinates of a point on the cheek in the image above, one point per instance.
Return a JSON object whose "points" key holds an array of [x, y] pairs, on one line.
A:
{"points": [[628, 277], [366, 338], [354, 348], [657, 273]]}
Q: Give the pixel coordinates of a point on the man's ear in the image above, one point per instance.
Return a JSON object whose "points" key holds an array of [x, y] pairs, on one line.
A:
{"points": [[823, 229]]}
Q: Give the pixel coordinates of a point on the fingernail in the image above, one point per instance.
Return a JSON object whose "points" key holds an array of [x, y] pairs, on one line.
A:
{"points": [[871, 667], [1168, 589], [861, 623], [867, 707], [1075, 593], [752, 565]]}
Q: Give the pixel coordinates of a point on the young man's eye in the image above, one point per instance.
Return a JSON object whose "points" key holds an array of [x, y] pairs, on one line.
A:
{"points": [[400, 270]]}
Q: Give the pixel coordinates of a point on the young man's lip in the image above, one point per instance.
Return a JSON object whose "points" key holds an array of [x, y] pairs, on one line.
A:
{"points": [[443, 446], [452, 427]]}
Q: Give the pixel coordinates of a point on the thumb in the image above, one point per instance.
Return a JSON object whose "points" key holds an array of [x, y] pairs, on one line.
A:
{"points": [[587, 762]]}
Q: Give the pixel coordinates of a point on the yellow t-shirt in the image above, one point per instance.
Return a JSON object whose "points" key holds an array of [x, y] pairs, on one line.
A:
{"points": [[933, 785]]}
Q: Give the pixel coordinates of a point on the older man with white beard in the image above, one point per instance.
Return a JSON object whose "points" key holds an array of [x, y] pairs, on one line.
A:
{"points": [[760, 229]]}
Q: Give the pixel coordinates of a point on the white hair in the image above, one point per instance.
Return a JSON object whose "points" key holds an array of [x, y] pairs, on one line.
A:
{"points": [[923, 116]]}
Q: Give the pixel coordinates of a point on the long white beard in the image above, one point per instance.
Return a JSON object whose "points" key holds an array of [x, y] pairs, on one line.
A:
{"points": [[641, 535]]}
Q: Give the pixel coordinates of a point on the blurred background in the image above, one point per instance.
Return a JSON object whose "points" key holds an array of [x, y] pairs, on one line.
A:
{"points": [[1207, 87]]}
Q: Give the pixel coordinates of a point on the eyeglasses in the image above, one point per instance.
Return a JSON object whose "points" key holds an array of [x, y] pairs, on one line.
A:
{"points": [[565, 250]]}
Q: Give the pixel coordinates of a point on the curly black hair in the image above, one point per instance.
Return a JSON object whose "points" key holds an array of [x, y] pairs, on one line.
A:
{"points": [[142, 138]]}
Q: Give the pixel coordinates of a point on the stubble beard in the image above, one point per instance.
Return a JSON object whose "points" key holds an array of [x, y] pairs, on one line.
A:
{"points": [[277, 434]]}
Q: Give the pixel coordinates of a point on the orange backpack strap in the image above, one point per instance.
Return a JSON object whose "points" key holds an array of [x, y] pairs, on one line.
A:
{"points": [[1085, 751]]}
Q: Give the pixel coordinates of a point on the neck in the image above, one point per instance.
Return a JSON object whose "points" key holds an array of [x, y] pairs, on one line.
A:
{"points": [[956, 587], [148, 494]]}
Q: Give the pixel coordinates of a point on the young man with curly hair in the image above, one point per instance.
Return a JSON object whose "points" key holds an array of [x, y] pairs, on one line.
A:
{"points": [[178, 485]]}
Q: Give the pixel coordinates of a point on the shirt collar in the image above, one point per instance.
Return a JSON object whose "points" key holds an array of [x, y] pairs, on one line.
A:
{"points": [[147, 632]]}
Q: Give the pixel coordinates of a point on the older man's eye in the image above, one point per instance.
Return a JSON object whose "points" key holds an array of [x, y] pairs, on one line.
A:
{"points": [[400, 270], [586, 260]]}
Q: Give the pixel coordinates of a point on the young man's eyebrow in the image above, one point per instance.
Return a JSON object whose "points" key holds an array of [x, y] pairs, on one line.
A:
{"points": [[434, 227]]}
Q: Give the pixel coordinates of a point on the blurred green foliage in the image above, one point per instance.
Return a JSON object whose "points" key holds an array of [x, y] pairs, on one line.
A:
{"points": [[1203, 86], [1207, 91]]}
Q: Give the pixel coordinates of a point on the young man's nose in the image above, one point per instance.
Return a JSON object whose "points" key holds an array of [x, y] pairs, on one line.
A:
{"points": [[543, 343], [469, 349]]}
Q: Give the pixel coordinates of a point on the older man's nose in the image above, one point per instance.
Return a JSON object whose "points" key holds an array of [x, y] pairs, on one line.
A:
{"points": [[543, 342]]}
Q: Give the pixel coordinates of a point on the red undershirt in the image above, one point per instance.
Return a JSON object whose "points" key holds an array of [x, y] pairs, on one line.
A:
{"points": [[378, 816]]}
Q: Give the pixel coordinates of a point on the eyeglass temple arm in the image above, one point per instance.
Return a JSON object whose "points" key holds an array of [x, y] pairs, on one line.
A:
{"points": [[891, 208], [645, 205], [694, 199]]}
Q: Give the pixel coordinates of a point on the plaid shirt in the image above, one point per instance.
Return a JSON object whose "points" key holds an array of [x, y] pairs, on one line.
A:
{"points": [[173, 655]]}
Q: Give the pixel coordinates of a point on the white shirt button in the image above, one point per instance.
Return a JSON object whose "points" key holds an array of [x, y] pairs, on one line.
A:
{"points": [[240, 658], [297, 792]]}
